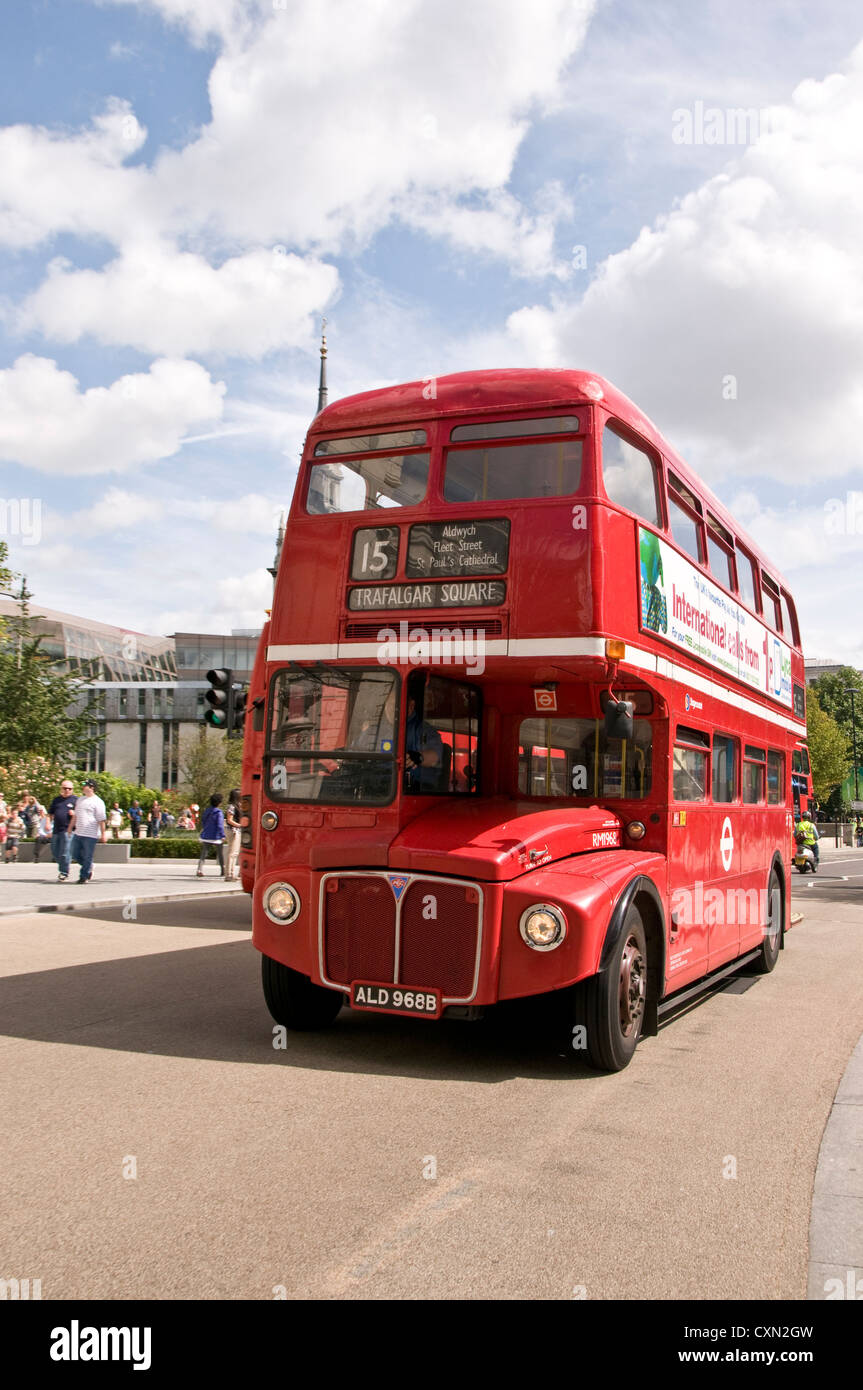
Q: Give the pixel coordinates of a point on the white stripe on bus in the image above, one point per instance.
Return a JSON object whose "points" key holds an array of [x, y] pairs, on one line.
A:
{"points": [[563, 646]]}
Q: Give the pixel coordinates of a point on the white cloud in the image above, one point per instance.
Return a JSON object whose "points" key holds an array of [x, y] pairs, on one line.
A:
{"points": [[252, 514], [204, 18], [51, 181], [246, 597], [118, 510], [327, 121], [159, 300], [757, 276], [48, 423], [502, 228]]}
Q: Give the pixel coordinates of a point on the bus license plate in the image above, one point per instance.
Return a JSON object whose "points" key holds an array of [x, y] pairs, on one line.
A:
{"points": [[396, 999]]}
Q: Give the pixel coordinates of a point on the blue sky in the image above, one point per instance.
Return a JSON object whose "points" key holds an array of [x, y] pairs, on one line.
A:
{"points": [[185, 187]]}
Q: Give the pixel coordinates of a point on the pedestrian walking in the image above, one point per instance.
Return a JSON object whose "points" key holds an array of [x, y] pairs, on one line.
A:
{"points": [[136, 815], [154, 823], [43, 834], [212, 834], [232, 835], [115, 820], [15, 831], [31, 812], [88, 826], [60, 811]]}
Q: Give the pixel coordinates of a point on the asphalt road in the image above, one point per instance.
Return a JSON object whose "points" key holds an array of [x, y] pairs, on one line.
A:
{"points": [[392, 1158]]}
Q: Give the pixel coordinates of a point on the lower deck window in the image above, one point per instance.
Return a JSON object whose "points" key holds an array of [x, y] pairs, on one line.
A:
{"points": [[574, 757]]}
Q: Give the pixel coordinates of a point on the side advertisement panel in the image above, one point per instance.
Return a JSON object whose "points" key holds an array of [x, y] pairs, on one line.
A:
{"points": [[680, 604]]}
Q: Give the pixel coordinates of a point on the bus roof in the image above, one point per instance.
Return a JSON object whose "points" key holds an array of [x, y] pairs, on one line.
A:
{"points": [[517, 388]]}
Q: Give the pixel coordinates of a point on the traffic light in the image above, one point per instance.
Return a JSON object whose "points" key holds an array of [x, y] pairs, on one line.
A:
{"points": [[220, 698]]}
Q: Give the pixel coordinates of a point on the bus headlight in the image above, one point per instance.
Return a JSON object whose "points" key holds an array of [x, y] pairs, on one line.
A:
{"points": [[282, 903], [542, 927], [270, 819]]}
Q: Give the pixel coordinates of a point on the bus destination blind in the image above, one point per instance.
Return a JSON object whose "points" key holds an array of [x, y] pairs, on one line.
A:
{"points": [[437, 549]]}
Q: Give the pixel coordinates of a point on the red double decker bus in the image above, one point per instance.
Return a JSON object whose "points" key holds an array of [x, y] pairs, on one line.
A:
{"points": [[528, 731]]}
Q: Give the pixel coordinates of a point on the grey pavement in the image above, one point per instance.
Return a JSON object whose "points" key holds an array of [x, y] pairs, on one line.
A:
{"points": [[160, 1141], [836, 1223], [34, 887]]}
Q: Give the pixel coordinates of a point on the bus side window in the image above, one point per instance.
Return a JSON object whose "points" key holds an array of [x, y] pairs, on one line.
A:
{"points": [[770, 598], [690, 765], [724, 768], [753, 775], [685, 529], [746, 579], [630, 476], [776, 778], [789, 620]]}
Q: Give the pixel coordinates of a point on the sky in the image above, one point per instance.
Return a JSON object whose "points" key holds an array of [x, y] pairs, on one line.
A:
{"points": [[670, 195]]}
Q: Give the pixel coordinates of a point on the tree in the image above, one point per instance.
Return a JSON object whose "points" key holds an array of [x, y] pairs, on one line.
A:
{"points": [[210, 762], [833, 698], [36, 696], [828, 748], [6, 575]]}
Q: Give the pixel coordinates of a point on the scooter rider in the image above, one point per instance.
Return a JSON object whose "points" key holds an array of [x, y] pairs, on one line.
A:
{"points": [[810, 836]]}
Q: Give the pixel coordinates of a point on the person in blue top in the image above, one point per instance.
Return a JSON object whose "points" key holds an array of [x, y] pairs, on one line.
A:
{"points": [[136, 815], [212, 834], [60, 813]]}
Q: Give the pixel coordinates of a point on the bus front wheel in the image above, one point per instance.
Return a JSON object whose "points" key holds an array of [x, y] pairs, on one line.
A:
{"points": [[294, 1001], [609, 1007]]}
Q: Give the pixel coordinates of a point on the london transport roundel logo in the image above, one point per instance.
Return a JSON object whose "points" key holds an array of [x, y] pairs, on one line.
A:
{"points": [[726, 844]]}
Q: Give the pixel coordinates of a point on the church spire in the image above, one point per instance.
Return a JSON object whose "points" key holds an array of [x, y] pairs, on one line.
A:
{"points": [[322, 384]]}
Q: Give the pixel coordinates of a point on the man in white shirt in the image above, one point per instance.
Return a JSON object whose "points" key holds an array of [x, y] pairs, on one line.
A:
{"points": [[87, 824]]}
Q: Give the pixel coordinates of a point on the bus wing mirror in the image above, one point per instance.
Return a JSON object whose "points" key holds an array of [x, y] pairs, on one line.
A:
{"points": [[618, 719]]}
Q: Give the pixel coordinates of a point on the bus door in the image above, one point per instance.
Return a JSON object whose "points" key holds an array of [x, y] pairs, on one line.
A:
{"points": [[688, 850]]}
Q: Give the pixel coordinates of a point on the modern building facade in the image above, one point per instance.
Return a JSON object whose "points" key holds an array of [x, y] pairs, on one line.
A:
{"points": [[149, 691]]}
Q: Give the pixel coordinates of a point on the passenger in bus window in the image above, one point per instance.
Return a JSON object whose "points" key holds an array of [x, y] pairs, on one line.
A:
{"points": [[424, 748]]}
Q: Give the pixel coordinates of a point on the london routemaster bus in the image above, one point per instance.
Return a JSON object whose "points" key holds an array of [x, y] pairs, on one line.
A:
{"points": [[531, 698]]}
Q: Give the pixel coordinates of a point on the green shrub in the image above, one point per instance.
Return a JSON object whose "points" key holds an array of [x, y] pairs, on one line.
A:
{"points": [[168, 848]]}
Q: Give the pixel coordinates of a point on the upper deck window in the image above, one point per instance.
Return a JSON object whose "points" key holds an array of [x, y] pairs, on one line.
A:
{"points": [[368, 443], [770, 598], [720, 549], [363, 484], [746, 578], [548, 469], [630, 476], [684, 529], [513, 429], [789, 619]]}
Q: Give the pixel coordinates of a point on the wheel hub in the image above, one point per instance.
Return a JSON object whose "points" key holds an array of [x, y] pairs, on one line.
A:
{"points": [[633, 987]]}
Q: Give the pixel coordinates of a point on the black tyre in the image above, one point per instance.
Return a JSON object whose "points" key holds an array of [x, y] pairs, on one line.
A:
{"points": [[610, 1006], [772, 942], [294, 1001]]}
